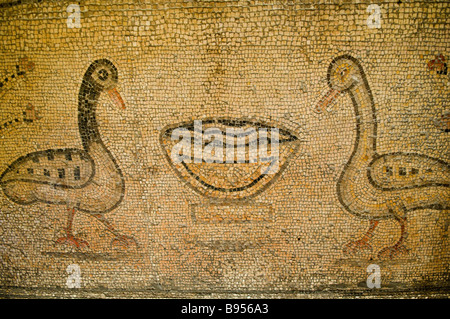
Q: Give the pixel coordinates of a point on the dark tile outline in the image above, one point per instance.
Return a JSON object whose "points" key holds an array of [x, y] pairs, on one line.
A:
{"points": [[231, 122], [386, 155], [357, 139], [87, 101], [390, 214]]}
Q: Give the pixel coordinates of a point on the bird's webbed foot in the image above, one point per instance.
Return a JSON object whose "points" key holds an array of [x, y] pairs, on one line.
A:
{"points": [[73, 241], [123, 242], [355, 246], [392, 252]]}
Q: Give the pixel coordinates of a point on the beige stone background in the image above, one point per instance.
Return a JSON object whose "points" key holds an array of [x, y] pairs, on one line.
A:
{"points": [[184, 60]]}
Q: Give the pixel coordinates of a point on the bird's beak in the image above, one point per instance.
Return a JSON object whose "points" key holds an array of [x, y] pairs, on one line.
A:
{"points": [[327, 99], [115, 97]]}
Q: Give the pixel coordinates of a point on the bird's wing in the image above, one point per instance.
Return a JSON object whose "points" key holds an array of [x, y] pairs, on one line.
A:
{"points": [[65, 168], [408, 170]]}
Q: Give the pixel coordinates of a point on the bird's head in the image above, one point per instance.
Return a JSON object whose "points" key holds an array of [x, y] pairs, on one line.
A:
{"points": [[103, 75], [344, 73]]}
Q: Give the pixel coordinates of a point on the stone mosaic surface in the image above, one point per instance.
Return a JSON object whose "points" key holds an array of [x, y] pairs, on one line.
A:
{"points": [[353, 196]]}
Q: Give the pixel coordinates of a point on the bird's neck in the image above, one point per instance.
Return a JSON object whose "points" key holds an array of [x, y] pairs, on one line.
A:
{"points": [[364, 108], [87, 121]]}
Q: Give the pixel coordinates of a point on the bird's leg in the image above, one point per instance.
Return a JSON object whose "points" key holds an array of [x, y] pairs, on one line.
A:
{"points": [[69, 238], [119, 239], [398, 249], [363, 243]]}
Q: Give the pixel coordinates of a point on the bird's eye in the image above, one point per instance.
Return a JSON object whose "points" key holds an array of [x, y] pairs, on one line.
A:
{"points": [[343, 72], [103, 74]]}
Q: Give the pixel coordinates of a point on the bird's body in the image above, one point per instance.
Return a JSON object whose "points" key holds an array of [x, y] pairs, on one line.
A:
{"points": [[89, 179], [39, 174], [374, 186], [65, 176]]}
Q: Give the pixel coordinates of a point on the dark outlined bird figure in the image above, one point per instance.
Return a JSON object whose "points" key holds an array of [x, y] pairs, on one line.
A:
{"points": [[374, 186], [87, 180]]}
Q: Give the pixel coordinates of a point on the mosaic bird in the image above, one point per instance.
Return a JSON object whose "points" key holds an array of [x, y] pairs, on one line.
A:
{"points": [[374, 186], [86, 180]]}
